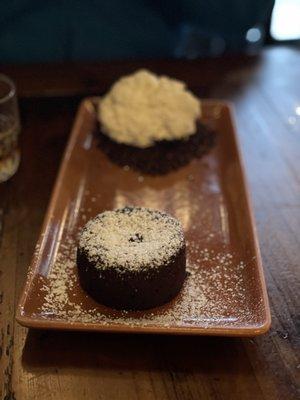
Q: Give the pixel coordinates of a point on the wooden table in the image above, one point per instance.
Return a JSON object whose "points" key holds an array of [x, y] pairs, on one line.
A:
{"points": [[58, 365]]}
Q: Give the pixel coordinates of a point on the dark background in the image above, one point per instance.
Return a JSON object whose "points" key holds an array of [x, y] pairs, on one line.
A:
{"points": [[69, 30]]}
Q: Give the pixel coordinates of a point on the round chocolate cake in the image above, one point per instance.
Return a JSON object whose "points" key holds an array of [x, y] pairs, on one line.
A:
{"points": [[132, 258], [163, 157]]}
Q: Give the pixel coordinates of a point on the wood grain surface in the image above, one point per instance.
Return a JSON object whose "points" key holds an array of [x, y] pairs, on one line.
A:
{"points": [[60, 365]]}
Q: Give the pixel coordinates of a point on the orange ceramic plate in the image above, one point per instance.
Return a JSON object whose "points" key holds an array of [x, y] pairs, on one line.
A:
{"points": [[225, 292]]}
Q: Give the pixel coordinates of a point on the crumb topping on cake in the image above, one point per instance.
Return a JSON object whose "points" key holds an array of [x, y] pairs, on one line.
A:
{"points": [[143, 108], [131, 239]]}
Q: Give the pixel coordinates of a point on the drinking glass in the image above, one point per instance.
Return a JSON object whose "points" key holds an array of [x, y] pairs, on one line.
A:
{"points": [[9, 129]]}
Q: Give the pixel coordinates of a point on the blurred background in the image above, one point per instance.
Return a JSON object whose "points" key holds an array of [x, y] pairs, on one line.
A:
{"points": [[74, 30]]}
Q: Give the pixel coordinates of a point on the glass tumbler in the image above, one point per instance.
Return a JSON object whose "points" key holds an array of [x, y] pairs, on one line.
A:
{"points": [[9, 129]]}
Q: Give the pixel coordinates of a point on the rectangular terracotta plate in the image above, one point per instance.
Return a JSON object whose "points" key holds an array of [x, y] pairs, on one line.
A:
{"points": [[225, 292]]}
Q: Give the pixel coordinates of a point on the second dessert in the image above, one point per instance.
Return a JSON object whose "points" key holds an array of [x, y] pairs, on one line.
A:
{"points": [[151, 123]]}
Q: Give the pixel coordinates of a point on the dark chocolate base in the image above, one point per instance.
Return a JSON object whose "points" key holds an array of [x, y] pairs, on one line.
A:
{"points": [[132, 290], [163, 157]]}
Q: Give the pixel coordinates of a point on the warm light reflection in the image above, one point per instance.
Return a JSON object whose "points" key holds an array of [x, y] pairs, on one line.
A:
{"points": [[182, 206], [176, 200], [74, 208], [224, 221], [51, 240]]}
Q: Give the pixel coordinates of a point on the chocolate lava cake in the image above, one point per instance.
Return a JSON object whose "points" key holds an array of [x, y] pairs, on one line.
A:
{"points": [[132, 258]]}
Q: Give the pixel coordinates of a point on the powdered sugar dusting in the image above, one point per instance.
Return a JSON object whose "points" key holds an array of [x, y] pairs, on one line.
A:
{"points": [[214, 284], [131, 239]]}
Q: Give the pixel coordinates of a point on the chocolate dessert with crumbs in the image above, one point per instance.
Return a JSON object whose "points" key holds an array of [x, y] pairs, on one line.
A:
{"points": [[132, 258], [152, 123]]}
